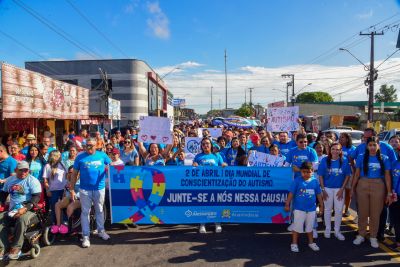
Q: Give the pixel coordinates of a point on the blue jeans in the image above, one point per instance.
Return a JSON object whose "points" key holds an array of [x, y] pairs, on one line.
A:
{"points": [[56, 195], [87, 198]]}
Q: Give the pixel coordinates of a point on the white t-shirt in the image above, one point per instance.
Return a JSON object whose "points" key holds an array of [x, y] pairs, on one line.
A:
{"points": [[59, 180]]}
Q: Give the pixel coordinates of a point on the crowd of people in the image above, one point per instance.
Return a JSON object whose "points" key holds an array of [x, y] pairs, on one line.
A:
{"points": [[327, 170]]}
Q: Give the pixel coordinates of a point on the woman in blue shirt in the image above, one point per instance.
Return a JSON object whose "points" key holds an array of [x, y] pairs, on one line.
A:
{"points": [[36, 162], [207, 158], [129, 154], [371, 176], [152, 156], [234, 153], [394, 208], [171, 151], [334, 172]]}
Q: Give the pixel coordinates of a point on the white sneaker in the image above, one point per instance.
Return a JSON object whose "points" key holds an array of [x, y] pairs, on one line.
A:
{"points": [[85, 242], [340, 236], [374, 242], [314, 233], [294, 248], [359, 239], [103, 235], [218, 228], [202, 229], [313, 246], [327, 234]]}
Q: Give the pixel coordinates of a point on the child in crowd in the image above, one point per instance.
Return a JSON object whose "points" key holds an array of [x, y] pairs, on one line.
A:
{"points": [[304, 193], [66, 203]]}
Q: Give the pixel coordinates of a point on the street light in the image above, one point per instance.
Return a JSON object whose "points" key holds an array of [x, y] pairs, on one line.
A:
{"points": [[303, 88], [365, 66]]}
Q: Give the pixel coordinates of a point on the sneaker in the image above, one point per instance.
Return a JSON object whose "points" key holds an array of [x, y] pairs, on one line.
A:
{"points": [[346, 214], [202, 229], [14, 254], [359, 239], [218, 228], [63, 229], [54, 229], [313, 246], [294, 248], [314, 233], [374, 242], [2, 256], [85, 242], [103, 235], [340, 236], [327, 234]]}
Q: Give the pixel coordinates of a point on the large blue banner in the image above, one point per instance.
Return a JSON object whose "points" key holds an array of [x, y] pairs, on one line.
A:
{"points": [[184, 195]]}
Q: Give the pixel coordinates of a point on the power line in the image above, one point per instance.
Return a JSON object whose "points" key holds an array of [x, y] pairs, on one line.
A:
{"points": [[95, 28]]}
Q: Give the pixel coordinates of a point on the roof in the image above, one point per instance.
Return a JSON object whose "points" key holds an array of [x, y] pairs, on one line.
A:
{"points": [[361, 103]]}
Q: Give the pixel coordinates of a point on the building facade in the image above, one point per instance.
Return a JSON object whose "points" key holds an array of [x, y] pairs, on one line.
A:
{"points": [[131, 81]]}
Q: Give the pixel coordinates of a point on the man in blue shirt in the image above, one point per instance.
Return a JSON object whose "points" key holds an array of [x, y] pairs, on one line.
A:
{"points": [[300, 154], [24, 191], [7, 163], [30, 140], [91, 166], [284, 144]]}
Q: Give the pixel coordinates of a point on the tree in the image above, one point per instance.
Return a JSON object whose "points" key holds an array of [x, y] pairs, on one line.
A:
{"points": [[244, 111], [386, 94], [314, 97]]}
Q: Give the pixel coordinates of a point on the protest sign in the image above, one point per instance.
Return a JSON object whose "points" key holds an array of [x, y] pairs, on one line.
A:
{"points": [[214, 132], [184, 195], [259, 159], [283, 119], [192, 148], [155, 130]]}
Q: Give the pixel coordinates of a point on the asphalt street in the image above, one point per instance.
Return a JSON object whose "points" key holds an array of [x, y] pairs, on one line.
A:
{"points": [[237, 245]]}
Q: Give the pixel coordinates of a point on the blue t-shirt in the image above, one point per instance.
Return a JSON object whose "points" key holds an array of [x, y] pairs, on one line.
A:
{"points": [[160, 161], [212, 159], [396, 176], [36, 168], [129, 157], [285, 148], [92, 168], [386, 150], [7, 167], [230, 156], [305, 194], [21, 190], [172, 161], [25, 150], [348, 151], [297, 156], [336, 174], [374, 167]]}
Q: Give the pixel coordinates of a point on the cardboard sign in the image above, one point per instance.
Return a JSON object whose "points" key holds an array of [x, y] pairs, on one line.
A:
{"points": [[155, 130], [259, 159], [214, 132], [192, 148], [283, 119]]}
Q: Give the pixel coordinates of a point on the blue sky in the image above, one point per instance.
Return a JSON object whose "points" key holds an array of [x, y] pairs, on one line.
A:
{"points": [[261, 37]]}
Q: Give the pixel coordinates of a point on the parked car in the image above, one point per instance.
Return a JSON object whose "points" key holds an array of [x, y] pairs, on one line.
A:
{"points": [[384, 136], [356, 135]]}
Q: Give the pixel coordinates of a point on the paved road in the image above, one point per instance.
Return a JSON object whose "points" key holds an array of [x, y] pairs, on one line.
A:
{"points": [[238, 245]]}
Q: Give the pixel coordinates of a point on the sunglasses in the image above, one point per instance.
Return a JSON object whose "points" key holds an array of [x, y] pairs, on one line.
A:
{"points": [[89, 146], [127, 142], [24, 170], [303, 142]]}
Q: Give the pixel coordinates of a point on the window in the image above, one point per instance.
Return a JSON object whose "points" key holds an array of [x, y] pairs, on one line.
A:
{"points": [[97, 84], [73, 82]]}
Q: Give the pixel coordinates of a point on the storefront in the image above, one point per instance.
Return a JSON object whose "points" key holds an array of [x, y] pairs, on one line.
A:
{"points": [[31, 101]]}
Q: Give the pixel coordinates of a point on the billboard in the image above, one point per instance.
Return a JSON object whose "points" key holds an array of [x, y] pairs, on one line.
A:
{"points": [[179, 102], [27, 94]]}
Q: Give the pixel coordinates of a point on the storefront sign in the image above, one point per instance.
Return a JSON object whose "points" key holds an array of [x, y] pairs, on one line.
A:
{"points": [[27, 94]]}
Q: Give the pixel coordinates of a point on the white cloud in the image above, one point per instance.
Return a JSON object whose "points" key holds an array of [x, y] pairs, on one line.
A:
{"points": [[178, 68], [365, 15], [190, 64], [345, 83], [130, 8], [158, 21]]}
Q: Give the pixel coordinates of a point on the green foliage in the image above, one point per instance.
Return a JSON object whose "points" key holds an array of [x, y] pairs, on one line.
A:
{"points": [[386, 94], [314, 97], [245, 111]]}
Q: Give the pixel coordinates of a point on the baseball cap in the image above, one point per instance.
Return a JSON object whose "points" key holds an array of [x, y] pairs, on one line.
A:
{"points": [[22, 165], [30, 137], [115, 151]]}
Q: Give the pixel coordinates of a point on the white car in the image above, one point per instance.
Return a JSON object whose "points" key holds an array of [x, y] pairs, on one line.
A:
{"points": [[356, 135], [384, 136]]}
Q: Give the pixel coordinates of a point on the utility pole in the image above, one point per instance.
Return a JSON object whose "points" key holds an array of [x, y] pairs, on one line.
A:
{"points": [[226, 85], [292, 84], [287, 93], [211, 99], [251, 96], [219, 103], [245, 96], [373, 75]]}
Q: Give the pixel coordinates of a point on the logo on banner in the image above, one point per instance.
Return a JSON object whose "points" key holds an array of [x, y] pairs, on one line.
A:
{"points": [[193, 147]]}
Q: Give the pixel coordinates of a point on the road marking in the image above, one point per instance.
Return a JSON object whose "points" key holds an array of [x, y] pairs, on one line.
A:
{"points": [[349, 221]]}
